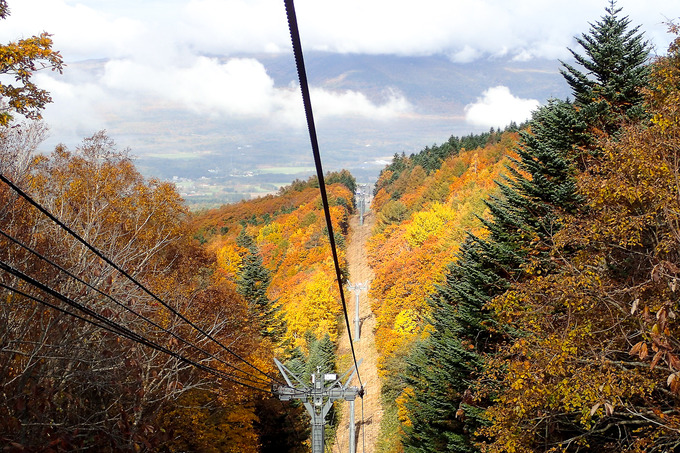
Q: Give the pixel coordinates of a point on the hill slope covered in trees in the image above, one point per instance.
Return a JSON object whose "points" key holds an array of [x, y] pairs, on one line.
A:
{"points": [[550, 325]]}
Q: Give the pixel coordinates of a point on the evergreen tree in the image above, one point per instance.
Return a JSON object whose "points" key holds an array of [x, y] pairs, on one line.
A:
{"points": [[252, 283], [614, 59], [343, 177], [321, 356], [448, 400]]}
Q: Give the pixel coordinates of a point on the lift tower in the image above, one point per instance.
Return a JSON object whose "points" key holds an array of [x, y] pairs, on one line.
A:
{"points": [[317, 399], [357, 288]]}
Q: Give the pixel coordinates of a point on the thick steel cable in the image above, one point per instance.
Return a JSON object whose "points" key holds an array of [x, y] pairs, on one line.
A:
{"points": [[110, 325], [304, 87], [101, 255], [257, 379]]}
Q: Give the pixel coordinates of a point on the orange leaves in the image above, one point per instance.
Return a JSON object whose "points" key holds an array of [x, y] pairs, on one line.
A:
{"points": [[421, 221], [21, 59], [294, 245], [663, 341], [141, 225], [640, 349]]}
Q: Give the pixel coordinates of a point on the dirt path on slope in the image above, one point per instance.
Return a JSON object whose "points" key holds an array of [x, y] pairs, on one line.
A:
{"points": [[360, 272]]}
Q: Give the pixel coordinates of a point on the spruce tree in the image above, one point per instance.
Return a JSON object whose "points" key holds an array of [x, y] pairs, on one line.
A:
{"points": [[321, 356], [252, 283], [614, 61], [444, 370]]}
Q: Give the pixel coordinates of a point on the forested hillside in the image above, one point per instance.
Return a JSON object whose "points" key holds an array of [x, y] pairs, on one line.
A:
{"points": [[548, 321], [255, 276], [287, 233], [423, 217], [70, 377], [525, 293], [127, 324]]}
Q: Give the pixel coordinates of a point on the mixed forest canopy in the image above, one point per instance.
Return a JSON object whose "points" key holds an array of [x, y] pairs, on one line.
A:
{"points": [[525, 291], [549, 322]]}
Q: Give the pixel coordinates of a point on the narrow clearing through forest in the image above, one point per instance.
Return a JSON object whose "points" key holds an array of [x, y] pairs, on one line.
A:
{"points": [[360, 272]]}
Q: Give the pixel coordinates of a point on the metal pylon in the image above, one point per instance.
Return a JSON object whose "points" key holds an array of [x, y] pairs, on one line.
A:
{"points": [[357, 288], [317, 398]]}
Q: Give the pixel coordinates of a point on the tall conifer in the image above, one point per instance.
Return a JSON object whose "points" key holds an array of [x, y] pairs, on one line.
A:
{"points": [[448, 402], [252, 283], [614, 61]]}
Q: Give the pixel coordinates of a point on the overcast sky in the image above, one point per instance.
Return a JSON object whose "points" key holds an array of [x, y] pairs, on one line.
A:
{"points": [[156, 49]]}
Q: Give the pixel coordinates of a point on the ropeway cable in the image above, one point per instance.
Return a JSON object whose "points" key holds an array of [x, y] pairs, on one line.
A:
{"points": [[304, 87]]}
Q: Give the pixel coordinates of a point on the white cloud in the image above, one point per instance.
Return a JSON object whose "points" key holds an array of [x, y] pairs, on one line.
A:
{"points": [[353, 103], [78, 30], [464, 29], [76, 107], [498, 107], [159, 51], [229, 26], [466, 55], [238, 88]]}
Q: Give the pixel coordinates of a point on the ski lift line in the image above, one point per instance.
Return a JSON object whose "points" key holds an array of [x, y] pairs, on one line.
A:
{"points": [[96, 251], [55, 307], [130, 310], [110, 325], [304, 87]]}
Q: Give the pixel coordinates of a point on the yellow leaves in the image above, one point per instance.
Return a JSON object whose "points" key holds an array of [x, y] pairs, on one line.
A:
{"points": [[21, 59], [229, 260], [428, 223], [312, 307], [406, 322], [402, 412]]}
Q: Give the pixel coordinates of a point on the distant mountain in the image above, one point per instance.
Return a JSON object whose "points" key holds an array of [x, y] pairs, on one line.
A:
{"points": [[169, 142], [433, 83]]}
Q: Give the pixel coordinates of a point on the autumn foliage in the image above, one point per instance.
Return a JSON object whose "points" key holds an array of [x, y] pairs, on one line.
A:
{"points": [[20, 60], [554, 325], [68, 383], [289, 231], [418, 234], [598, 360]]}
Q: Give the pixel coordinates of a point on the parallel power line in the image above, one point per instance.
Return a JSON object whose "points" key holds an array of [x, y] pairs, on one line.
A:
{"points": [[101, 255], [304, 87], [129, 309], [107, 324]]}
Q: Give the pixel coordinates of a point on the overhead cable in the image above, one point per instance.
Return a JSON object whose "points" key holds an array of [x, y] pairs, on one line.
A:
{"points": [[110, 325], [304, 87], [101, 255], [129, 309]]}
